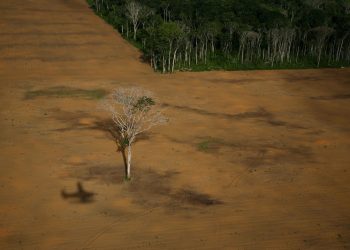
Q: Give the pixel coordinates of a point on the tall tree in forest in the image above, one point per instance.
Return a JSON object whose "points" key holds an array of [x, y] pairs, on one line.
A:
{"points": [[321, 35], [136, 12], [172, 35]]}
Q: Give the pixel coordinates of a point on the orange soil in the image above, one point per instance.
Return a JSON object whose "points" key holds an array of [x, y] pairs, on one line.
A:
{"points": [[249, 160]]}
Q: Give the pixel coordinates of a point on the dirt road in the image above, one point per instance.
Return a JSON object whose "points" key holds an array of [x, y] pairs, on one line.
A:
{"points": [[249, 160]]}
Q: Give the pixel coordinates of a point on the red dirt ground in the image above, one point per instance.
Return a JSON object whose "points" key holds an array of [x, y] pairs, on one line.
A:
{"points": [[249, 160]]}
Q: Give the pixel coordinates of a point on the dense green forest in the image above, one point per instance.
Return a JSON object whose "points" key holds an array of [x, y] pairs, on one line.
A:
{"points": [[233, 34]]}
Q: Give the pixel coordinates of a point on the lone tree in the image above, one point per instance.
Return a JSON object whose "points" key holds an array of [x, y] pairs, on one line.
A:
{"points": [[134, 111]]}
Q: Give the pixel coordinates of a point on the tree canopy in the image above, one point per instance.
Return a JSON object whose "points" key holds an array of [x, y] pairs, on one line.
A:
{"points": [[230, 34]]}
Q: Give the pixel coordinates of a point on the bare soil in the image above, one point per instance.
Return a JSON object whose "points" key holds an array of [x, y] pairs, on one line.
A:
{"points": [[249, 160]]}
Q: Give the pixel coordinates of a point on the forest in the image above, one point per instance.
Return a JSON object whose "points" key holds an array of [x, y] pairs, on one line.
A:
{"points": [[233, 34]]}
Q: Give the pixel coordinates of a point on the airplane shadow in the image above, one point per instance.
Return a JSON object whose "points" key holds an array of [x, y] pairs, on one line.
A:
{"points": [[81, 195]]}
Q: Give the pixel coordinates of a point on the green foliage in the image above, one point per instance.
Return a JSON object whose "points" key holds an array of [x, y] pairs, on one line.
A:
{"points": [[208, 144], [127, 179], [124, 142], [168, 31], [144, 104], [236, 34], [203, 146]]}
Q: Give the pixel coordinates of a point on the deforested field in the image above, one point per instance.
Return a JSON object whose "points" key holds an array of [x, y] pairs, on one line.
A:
{"points": [[248, 160]]}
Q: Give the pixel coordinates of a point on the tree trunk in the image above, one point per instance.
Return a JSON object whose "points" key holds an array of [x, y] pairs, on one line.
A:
{"points": [[125, 162], [135, 30], [129, 163], [169, 55], [205, 51], [339, 50], [127, 29], [152, 62], [173, 64], [196, 55], [212, 45], [155, 63], [319, 55]]}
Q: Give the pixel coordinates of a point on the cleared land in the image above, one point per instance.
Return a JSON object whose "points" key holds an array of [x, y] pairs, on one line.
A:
{"points": [[249, 160]]}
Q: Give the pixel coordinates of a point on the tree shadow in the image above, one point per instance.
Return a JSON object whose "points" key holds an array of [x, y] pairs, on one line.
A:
{"points": [[147, 188], [150, 188], [195, 198], [331, 97], [259, 114]]}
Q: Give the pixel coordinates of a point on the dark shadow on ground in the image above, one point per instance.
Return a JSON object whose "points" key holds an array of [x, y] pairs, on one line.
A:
{"points": [[260, 114], [195, 198], [64, 91], [253, 153], [147, 187], [331, 97], [151, 188], [80, 195]]}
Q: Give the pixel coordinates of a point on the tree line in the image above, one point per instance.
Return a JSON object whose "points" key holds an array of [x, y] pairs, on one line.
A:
{"points": [[233, 34]]}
